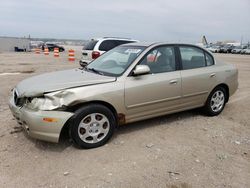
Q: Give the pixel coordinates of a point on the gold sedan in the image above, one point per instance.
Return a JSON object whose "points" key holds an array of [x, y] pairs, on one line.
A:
{"points": [[132, 82]]}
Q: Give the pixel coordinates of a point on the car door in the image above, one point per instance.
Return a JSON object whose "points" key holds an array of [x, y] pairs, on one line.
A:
{"points": [[198, 75], [155, 93]]}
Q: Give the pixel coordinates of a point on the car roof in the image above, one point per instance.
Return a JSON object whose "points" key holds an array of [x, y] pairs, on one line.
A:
{"points": [[147, 44], [144, 44], [52, 44], [113, 38]]}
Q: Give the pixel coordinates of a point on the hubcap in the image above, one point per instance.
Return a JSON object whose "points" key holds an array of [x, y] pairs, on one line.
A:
{"points": [[93, 128], [217, 101]]}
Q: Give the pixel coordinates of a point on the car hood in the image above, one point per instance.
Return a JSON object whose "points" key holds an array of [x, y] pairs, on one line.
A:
{"points": [[55, 81]]}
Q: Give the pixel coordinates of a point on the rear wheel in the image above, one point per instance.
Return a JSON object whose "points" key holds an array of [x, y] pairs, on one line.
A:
{"points": [[92, 126], [216, 101]]}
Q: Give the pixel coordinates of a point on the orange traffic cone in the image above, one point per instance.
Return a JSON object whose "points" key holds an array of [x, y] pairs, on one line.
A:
{"points": [[56, 52], [46, 51], [71, 55], [37, 50]]}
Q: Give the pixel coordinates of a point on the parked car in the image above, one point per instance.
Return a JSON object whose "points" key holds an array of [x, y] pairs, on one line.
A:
{"points": [[243, 51], [220, 49], [246, 51], [52, 46], [96, 47], [226, 49], [129, 83], [214, 49], [17, 49], [237, 50]]}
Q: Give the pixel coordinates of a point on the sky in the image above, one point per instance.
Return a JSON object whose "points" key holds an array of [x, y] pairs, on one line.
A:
{"points": [[146, 20]]}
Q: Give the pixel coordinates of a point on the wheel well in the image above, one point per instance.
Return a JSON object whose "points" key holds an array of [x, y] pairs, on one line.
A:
{"points": [[65, 130], [226, 88], [79, 105]]}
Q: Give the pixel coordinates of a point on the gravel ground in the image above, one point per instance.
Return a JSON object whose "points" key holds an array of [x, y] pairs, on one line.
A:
{"points": [[182, 150]]}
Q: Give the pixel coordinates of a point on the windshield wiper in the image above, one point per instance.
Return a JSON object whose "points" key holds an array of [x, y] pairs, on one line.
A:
{"points": [[94, 70]]}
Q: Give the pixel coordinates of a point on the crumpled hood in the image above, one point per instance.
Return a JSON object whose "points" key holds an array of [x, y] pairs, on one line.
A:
{"points": [[54, 81]]}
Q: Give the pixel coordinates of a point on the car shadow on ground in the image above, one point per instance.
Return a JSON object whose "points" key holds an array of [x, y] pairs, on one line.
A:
{"points": [[49, 146], [66, 142]]}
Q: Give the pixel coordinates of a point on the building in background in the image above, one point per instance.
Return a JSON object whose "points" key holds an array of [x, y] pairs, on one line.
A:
{"points": [[11, 44]]}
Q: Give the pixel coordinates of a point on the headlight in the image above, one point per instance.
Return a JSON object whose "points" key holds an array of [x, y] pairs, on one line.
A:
{"points": [[50, 101], [42, 103]]}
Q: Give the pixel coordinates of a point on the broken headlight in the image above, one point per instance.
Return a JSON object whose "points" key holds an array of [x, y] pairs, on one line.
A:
{"points": [[42, 103], [55, 100]]}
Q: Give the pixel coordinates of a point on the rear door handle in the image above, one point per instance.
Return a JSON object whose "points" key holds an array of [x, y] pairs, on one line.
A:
{"points": [[173, 81], [212, 75]]}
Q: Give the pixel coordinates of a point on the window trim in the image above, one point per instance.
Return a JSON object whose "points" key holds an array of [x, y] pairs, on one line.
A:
{"points": [[193, 46], [207, 54], [177, 64]]}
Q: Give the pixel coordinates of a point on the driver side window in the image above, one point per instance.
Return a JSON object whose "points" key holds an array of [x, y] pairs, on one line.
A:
{"points": [[161, 59]]}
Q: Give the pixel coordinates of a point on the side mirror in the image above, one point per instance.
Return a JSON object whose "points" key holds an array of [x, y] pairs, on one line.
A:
{"points": [[140, 70]]}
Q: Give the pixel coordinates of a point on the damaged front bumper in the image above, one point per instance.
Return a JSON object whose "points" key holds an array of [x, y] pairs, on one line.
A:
{"points": [[36, 124]]}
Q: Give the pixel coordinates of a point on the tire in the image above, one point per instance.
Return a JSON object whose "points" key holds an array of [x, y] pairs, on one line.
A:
{"points": [[215, 102], [92, 126]]}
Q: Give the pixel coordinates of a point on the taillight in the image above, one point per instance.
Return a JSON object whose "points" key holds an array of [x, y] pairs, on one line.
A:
{"points": [[95, 54]]}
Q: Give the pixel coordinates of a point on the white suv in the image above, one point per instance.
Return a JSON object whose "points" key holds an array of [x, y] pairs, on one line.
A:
{"points": [[96, 47]]}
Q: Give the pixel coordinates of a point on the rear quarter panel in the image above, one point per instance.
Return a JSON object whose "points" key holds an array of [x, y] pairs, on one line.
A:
{"points": [[226, 74]]}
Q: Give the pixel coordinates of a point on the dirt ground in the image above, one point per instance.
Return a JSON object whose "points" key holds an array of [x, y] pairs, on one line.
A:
{"points": [[183, 150]]}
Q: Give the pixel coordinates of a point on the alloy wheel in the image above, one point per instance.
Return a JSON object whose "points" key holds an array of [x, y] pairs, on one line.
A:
{"points": [[217, 101], [93, 128]]}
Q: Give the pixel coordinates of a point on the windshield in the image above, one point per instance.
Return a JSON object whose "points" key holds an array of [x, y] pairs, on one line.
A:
{"points": [[116, 61]]}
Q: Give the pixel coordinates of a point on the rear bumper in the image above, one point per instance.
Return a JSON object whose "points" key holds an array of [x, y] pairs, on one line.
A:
{"points": [[34, 124]]}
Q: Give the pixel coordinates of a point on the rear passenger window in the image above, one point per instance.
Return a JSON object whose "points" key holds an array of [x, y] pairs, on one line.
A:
{"points": [[192, 57], [209, 59], [107, 45]]}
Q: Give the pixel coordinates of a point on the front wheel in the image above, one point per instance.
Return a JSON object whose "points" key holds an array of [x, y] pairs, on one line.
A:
{"points": [[216, 102], [92, 126]]}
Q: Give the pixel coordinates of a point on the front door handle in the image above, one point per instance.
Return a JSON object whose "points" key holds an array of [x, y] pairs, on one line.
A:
{"points": [[212, 75], [173, 81]]}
